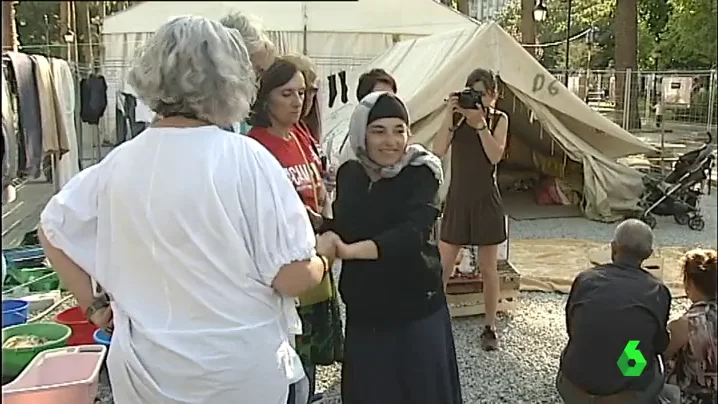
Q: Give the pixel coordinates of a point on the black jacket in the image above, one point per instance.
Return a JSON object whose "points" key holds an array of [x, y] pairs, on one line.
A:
{"points": [[398, 214], [93, 99]]}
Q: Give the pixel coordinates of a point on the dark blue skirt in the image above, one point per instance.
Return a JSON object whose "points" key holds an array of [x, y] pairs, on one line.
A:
{"points": [[410, 364]]}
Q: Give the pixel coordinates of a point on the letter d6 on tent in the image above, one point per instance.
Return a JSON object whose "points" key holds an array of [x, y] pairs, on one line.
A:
{"points": [[631, 353]]}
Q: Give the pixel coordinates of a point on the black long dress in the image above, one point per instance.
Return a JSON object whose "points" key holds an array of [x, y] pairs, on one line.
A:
{"points": [[399, 347], [473, 212]]}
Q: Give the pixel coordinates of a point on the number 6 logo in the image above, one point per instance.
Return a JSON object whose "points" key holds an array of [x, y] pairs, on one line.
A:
{"points": [[631, 353]]}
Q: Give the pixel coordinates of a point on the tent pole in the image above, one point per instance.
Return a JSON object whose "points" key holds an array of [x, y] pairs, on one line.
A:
{"points": [[305, 17], [663, 142]]}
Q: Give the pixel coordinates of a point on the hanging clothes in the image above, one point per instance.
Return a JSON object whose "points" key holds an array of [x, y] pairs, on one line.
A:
{"points": [[8, 191], [344, 93], [122, 130], [9, 135], [29, 110], [140, 111], [332, 87], [93, 99], [143, 113], [136, 114], [54, 136], [69, 163], [136, 123]]}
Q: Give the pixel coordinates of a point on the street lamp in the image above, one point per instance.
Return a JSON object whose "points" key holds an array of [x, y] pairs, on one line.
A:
{"points": [[540, 11], [568, 38]]}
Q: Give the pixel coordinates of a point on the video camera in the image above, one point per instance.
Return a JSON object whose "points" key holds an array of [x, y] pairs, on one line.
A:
{"points": [[469, 98]]}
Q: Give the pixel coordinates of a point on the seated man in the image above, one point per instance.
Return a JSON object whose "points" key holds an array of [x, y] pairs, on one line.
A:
{"points": [[609, 306]]}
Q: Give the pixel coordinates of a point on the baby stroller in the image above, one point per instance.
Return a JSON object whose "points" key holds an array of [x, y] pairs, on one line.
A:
{"points": [[679, 193]]}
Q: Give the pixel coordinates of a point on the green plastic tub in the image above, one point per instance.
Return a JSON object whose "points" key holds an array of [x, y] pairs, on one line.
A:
{"points": [[15, 360], [25, 280]]}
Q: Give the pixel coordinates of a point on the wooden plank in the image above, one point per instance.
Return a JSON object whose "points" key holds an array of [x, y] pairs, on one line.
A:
{"points": [[509, 279], [472, 304]]}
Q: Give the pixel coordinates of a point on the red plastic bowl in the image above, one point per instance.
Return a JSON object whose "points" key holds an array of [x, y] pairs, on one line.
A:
{"points": [[82, 330]]}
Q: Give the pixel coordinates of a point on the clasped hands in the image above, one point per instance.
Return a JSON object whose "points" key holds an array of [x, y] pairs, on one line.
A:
{"points": [[331, 246]]}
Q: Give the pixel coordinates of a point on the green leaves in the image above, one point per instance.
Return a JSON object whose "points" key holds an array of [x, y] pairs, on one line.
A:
{"points": [[689, 37], [673, 34], [39, 36]]}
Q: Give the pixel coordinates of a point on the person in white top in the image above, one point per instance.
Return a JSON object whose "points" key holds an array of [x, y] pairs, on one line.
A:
{"points": [[196, 235]]}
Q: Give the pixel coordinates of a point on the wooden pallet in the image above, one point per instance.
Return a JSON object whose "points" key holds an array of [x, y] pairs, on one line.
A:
{"points": [[465, 294], [472, 304]]}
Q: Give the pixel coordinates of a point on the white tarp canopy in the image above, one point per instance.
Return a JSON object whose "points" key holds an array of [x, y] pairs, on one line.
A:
{"points": [[336, 35], [549, 118]]}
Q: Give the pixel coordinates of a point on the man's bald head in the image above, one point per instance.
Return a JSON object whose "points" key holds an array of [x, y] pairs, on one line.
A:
{"points": [[632, 239]]}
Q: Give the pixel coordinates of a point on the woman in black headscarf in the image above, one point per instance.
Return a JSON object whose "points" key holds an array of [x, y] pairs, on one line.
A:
{"points": [[399, 347]]}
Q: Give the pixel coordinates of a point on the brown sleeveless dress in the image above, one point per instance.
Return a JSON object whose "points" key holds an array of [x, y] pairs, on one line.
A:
{"points": [[473, 211]]}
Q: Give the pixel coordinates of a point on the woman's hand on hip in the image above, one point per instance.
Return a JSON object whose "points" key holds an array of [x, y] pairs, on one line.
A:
{"points": [[102, 318]]}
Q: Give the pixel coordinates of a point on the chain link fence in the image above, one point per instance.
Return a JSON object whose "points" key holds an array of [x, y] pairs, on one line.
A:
{"points": [[679, 102]]}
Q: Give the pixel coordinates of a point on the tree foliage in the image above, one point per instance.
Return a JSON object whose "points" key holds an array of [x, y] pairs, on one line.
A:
{"points": [[585, 14], [671, 33], [41, 31], [689, 37]]}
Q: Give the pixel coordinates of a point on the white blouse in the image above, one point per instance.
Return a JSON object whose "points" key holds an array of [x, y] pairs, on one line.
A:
{"points": [[186, 228]]}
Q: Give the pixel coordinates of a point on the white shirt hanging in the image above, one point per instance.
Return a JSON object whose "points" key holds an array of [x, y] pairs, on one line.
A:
{"points": [[186, 229], [68, 165]]}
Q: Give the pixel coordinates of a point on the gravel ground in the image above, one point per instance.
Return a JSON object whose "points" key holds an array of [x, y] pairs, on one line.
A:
{"points": [[668, 233], [533, 334], [522, 371]]}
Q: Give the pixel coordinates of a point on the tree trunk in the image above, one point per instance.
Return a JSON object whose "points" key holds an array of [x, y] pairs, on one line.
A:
{"points": [[626, 26], [83, 32], [65, 25], [9, 29], [528, 25]]}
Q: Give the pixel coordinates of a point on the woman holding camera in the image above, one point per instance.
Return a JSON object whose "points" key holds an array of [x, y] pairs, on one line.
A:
{"points": [[473, 212]]}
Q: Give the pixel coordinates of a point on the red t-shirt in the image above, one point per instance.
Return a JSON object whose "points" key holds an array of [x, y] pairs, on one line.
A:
{"points": [[302, 165]]}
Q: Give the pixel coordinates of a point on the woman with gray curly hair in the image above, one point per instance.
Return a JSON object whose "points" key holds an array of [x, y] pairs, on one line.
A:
{"points": [[199, 267], [261, 50]]}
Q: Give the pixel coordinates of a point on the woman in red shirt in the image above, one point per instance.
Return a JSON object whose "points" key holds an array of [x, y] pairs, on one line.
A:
{"points": [[275, 120]]}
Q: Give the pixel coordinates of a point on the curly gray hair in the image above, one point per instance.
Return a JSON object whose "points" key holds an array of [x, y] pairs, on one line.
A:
{"points": [[258, 43], [197, 67]]}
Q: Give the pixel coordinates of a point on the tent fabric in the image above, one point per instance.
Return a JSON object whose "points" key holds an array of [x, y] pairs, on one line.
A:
{"points": [[428, 69], [339, 35], [415, 17]]}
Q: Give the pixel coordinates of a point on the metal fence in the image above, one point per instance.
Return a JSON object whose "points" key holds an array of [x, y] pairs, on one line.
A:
{"points": [[680, 102]]}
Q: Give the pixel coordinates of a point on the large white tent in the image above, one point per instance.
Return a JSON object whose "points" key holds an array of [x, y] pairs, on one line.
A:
{"points": [[337, 35], [551, 129]]}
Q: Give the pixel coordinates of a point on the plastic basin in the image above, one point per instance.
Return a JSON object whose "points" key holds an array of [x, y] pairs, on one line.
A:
{"points": [[32, 279], [15, 360], [82, 330], [102, 337], [23, 257], [62, 376], [14, 312]]}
